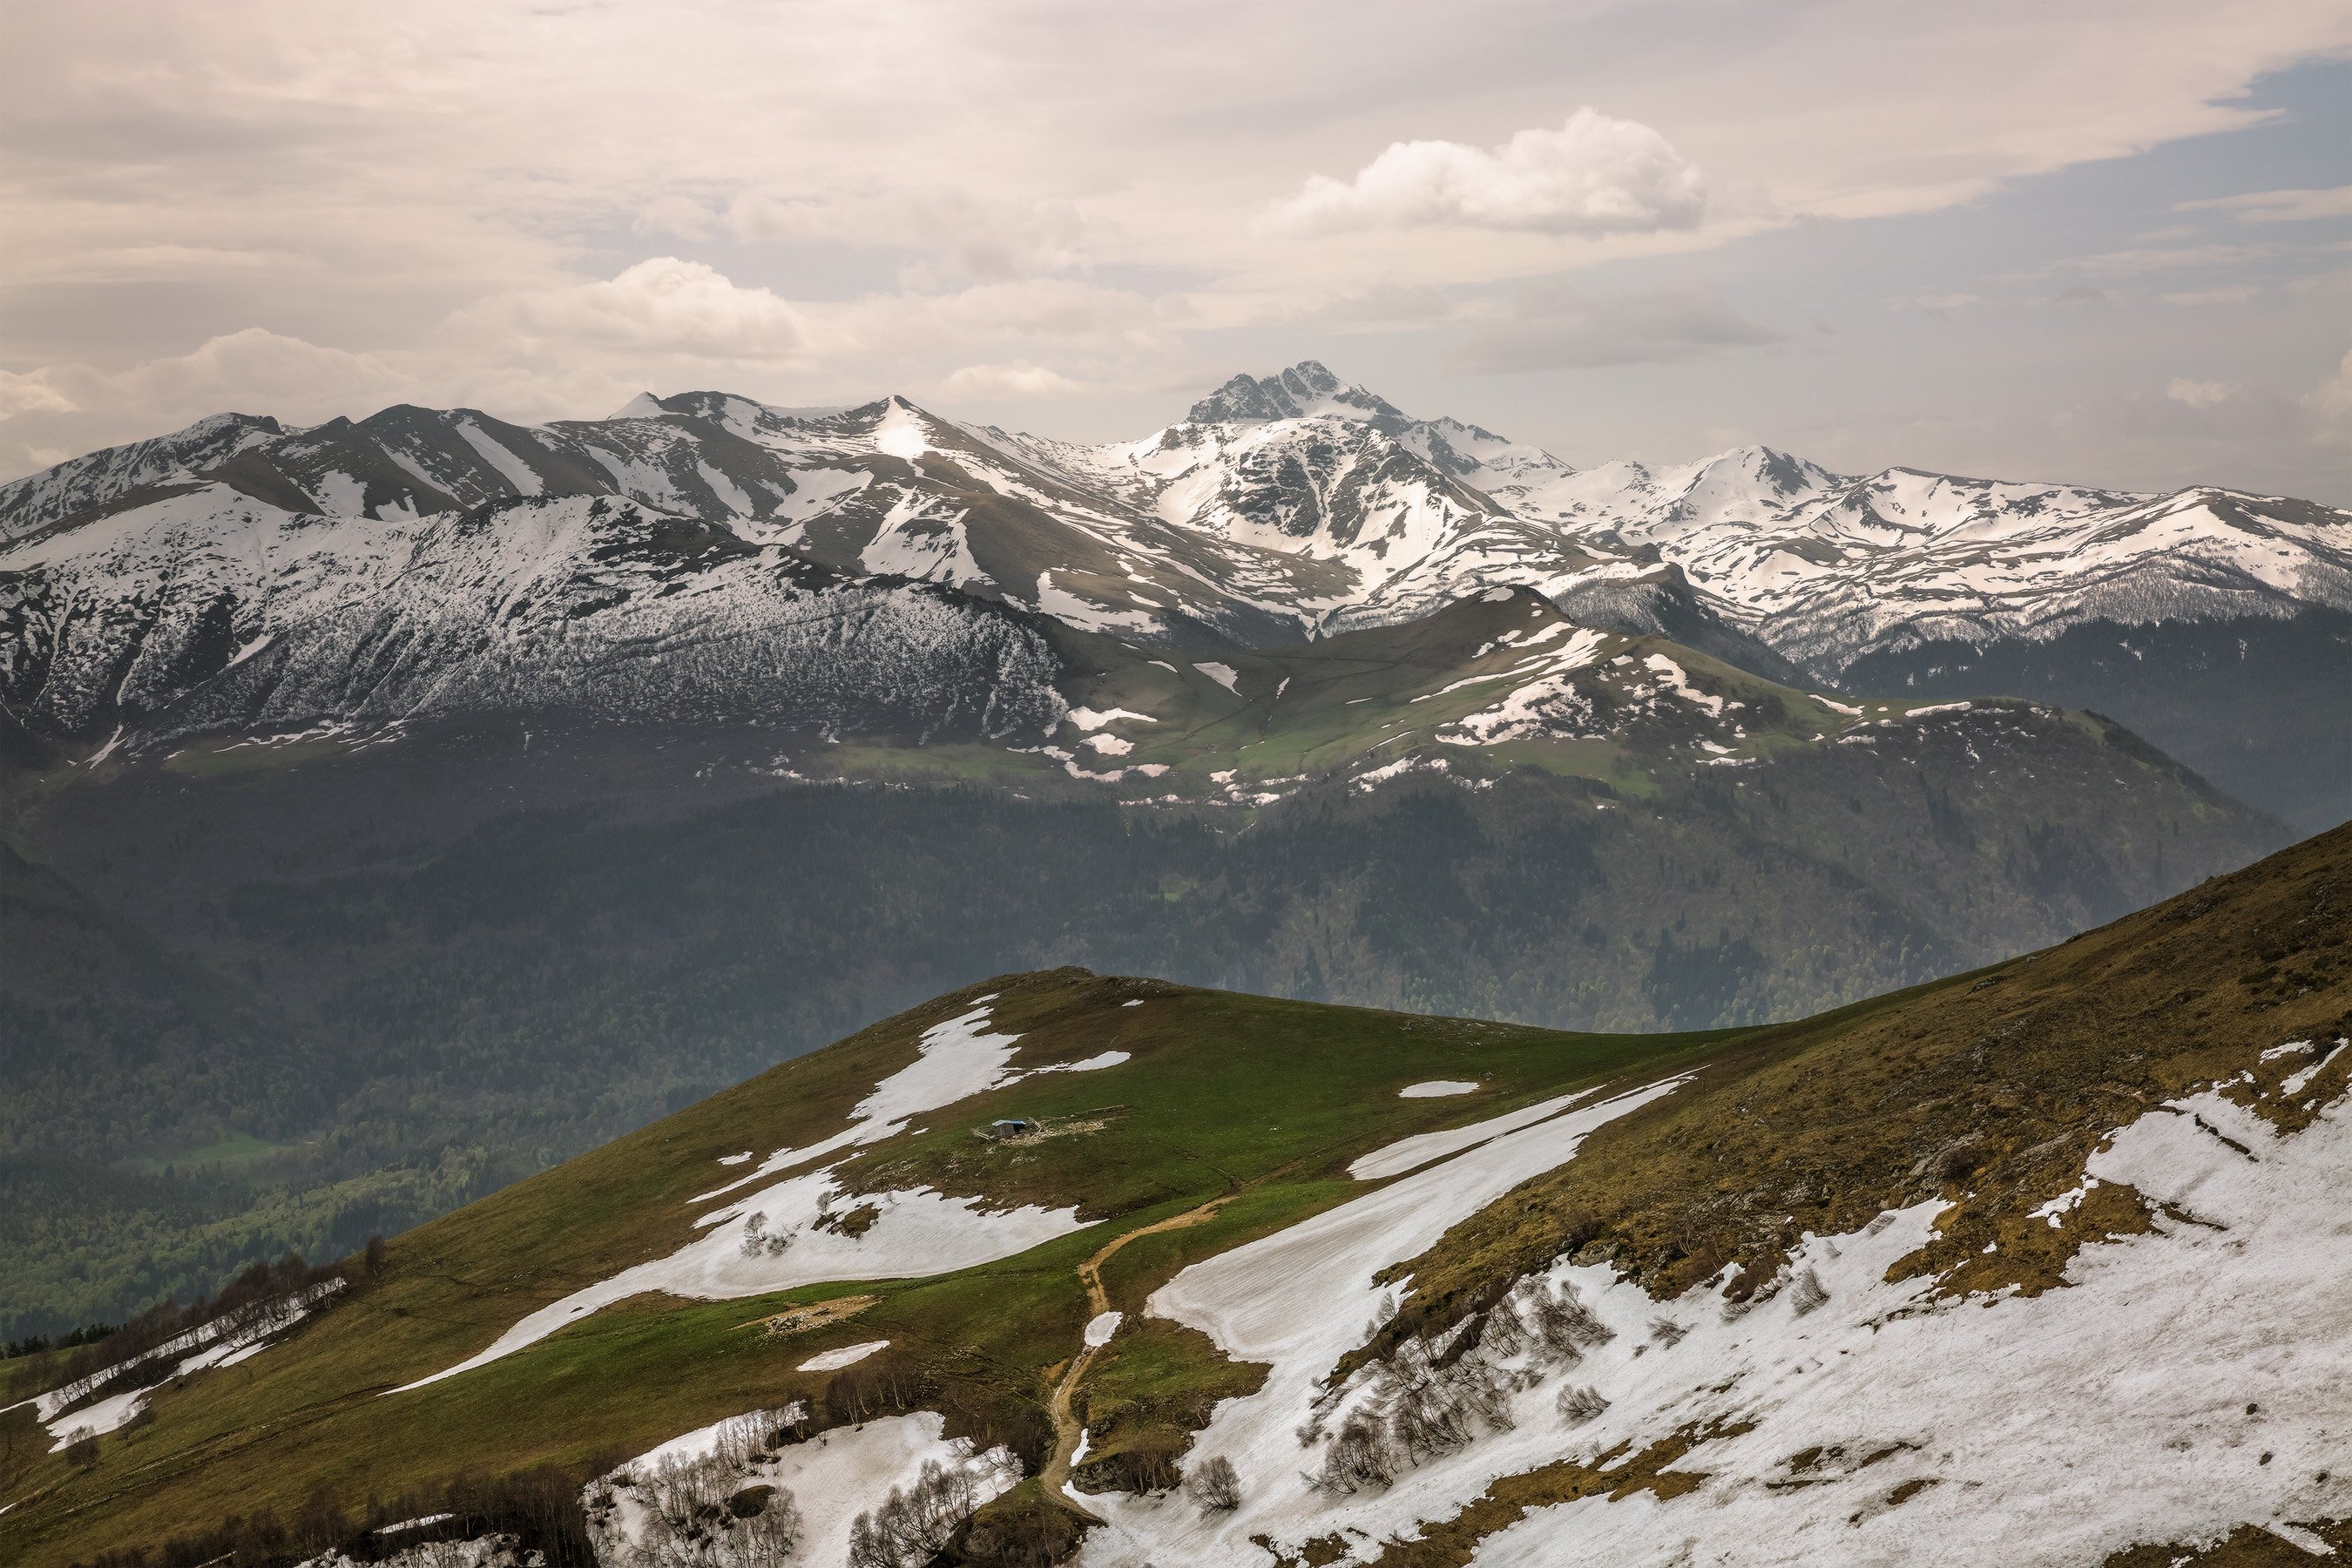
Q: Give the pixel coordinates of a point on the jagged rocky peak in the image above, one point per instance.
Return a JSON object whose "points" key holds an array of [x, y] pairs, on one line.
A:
{"points": [[1306, 389]]}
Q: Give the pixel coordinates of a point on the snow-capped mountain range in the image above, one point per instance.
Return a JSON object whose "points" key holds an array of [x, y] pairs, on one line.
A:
{"points": [[243, 571]]}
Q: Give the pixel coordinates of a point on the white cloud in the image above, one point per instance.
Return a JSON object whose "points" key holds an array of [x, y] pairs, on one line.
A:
{"points": [[2278, 206], [2200, 394], [1594, 176], [256, 370], [464, 188], [2170, 259], [2331, 407], [1019, 380], [1937, 304], [662, 307], [27, 393], [2226, 294], [958, 233], [56, 411], [680, 218]]}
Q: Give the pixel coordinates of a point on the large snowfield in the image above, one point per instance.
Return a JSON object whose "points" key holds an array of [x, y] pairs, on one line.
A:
{"points": [[2183, 1383]]}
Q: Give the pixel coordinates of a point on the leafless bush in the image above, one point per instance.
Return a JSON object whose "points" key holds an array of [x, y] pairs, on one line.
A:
{"points": [[755, 1243], [441, 1554], [766, 1537], [1808, 1293], [1577, 1405], [1213, 1485], [743, 1442], [1667, 1333], [700, 1513], [1361, 1459], [914, 1524], [1437, 1408], [1504, 1333], [1558, 1320]]}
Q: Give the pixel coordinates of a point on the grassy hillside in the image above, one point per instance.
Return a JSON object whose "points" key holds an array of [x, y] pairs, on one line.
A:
{"points": [[1996, 1088], [2257, 705], [1256, 1103], [1237, 1115]]}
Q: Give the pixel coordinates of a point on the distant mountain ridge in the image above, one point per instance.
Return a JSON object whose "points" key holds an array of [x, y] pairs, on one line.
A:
{"points": [[135, 582]]}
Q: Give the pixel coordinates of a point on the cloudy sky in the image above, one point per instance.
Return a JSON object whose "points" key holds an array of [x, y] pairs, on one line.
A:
{"points": [[2101, 242]]}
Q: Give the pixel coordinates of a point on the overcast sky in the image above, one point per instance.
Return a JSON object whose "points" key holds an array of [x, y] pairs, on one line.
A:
{"points": [[2107, 243]]}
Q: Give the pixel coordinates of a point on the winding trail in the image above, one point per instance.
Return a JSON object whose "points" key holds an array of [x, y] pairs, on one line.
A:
{"points": [[1068, 1428]]}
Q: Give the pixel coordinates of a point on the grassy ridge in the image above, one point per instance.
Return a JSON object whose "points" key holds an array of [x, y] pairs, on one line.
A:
{"points": [[1985, 1091], [1224, 1094]]}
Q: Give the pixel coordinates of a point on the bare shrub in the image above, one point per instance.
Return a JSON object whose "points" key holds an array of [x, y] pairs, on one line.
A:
{"points": [[1214, 1486], [700, 1511], [1361, 1459], [1667, 1333], [1147, 1466], [81, 1448], [1504, 1332], [767, 1537], [914, 1524], [1577, 1405], [740, 1443], [1437, 1408], [756, 1243], [884, 1384], [1808, 1293], [1558, 1320]]}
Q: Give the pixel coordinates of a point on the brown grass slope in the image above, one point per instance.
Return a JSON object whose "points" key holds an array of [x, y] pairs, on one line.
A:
{"points": [[1988, 1089]]}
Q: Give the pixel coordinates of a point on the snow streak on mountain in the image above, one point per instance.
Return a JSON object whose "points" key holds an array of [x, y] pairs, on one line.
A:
{"points": [[718, 555]]}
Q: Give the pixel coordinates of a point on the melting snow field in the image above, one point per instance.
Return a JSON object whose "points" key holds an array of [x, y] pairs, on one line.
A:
{"points": [[1437, 1088], [2183, 1383], [224, 1342], [847, 1355], [1301, 1298], [777, 1236], [832, 1478], [1405, 1153]]}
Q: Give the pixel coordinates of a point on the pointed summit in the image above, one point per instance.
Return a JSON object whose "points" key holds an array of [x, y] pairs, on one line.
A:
{"points": [[1306, 389], [644, 405]]}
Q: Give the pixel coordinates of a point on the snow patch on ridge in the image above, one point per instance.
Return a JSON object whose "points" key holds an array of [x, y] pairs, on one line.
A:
{"points": [[846, 1355], [1854, 1419], [778, 1236], [834, 1476], [1301, 1299]]}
